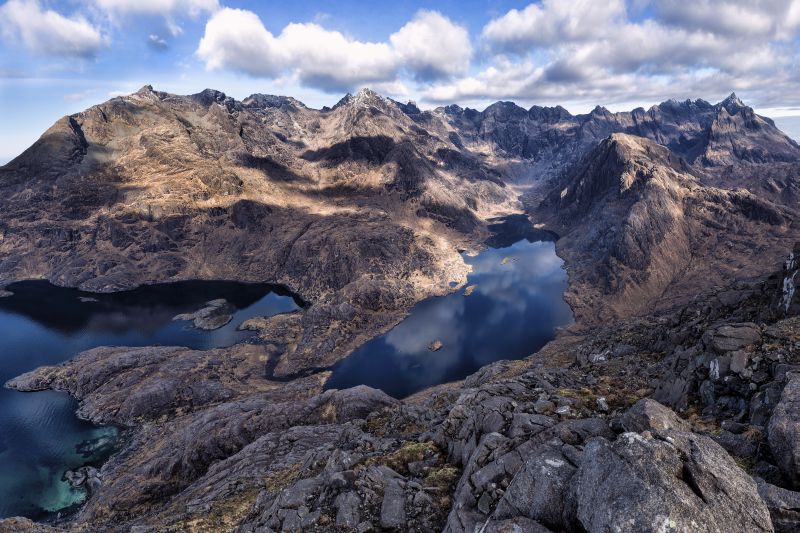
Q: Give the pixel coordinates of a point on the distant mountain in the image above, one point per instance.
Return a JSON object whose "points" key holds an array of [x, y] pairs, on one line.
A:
{"points": [[639, 229], [549, 137], [157, 187]]}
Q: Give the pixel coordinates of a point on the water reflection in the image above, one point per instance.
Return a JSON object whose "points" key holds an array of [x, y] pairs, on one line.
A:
{"points": [[40, 437], [514, 308]]}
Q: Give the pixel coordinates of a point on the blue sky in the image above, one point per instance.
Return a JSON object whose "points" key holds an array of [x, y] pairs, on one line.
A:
{"points": [[59, 57]]}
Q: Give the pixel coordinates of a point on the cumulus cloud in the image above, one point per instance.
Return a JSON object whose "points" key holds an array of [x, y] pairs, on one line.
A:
{"points": [[166, 8], [47, 32], [428, 47], [433, 46], [330, 61], [235, 39], [608, 52], [762, 18], [552, 22]]}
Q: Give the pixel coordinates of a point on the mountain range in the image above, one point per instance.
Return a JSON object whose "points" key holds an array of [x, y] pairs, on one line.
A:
{"points": [[672, 223]]}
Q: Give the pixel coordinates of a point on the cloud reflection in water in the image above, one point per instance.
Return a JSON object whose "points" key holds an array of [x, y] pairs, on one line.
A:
{"points": [[514, 310]]}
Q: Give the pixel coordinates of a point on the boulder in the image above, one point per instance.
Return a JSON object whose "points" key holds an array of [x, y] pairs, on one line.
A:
{"points": [[514, 525], [539, 489], [393, 512], [647, 414], [347, 514], [671, 482], [783, 430], [783, 505], [732, 337]]}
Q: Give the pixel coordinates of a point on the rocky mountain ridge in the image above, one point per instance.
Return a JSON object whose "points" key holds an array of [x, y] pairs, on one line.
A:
{"points": [[637, 221], [362, 209]]}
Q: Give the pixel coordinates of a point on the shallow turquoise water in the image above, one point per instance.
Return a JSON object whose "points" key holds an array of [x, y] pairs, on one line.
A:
{"points": [[40, 324]]}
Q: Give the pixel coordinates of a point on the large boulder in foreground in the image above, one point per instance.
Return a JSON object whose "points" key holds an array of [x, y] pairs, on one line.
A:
{"points": [[671, 482], [783, 431], [647, 414]]}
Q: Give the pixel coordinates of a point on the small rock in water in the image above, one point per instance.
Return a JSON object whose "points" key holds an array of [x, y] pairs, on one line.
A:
{"points": [[4, 293], [214, 315], [86, 477], [435, 346], [470, 289], [87, 299]]}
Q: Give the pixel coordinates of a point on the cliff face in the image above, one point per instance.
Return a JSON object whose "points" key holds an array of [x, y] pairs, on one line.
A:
{"points": [[640, 231]]}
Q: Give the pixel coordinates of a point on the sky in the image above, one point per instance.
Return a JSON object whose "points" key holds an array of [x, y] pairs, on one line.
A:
{"points": [[59, 57]]}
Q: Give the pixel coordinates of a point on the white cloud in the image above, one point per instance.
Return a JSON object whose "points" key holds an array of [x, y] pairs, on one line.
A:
{"points": [[763, 18], [78, 96], [554, 21], [433, 46], [329, 60], [47, 32], [166, 8], [156, 42], [428, 47], [572, 51], [235, 39]]}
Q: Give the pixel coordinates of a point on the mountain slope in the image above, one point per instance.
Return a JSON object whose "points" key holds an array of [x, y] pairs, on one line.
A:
{"points": [[546, 139], [355, 205], [639, 230], [366, 204]]}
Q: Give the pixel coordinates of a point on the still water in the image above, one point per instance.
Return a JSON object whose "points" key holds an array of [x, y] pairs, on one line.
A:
{"points": [[511, 306], [40, 324]]}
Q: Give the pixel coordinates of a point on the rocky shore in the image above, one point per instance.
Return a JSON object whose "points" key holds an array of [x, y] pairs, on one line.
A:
{"points": [[685, 420]]}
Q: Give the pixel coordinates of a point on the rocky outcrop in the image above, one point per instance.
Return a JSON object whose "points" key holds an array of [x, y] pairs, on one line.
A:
{"points": [[634, 222], [783, 431], [649, 415], [783, 505], [671, 480], [214, 315]]}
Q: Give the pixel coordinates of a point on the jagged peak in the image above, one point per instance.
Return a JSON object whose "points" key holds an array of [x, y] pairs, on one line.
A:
{"points": [[551, 113], [259, 100], [505, 106], [628, 148], [363, 98], [146, 89], [732, 99], [732, 104]]}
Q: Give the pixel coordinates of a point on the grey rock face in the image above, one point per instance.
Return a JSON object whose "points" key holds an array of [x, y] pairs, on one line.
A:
{"points": [[674, 480], [783, 505], [783, 430], [393, 512], [730, 338], [647, 414], [538, 491]]}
